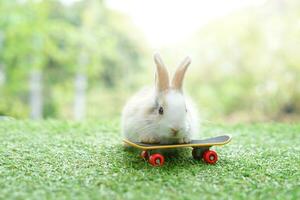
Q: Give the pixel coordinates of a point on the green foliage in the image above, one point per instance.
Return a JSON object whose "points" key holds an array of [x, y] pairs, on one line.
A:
{"points": [[248, 66], [59, 160], [62, 40], [245, 65]]}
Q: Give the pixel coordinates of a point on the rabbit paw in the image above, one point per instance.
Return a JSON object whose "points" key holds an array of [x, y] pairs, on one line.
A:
{"points": [[150, 140], [184, 140]]}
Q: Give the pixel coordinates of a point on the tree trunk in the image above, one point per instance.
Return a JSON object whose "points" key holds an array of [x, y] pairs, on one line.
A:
{"points": [[2, 72], [80, 88], [2, 75], [35, 98]]}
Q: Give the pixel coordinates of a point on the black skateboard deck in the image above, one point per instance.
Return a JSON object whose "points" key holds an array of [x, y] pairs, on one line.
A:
{"points": [[215, 141]]}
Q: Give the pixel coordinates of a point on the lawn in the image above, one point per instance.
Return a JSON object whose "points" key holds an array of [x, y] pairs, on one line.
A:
{"points": [[64, 160]]}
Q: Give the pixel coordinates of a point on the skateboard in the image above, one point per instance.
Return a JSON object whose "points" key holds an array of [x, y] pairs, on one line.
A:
{"points": [[201, 149]]}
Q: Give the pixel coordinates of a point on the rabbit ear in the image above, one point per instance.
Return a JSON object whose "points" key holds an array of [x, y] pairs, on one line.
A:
{"points": [[179, 74], [162, 75]]}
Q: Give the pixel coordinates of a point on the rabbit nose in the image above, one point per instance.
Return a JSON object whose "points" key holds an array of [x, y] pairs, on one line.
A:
{"points": [[174, 131]]}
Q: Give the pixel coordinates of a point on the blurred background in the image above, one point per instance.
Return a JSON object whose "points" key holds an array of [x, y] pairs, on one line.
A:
{"points": [[82, 59]]}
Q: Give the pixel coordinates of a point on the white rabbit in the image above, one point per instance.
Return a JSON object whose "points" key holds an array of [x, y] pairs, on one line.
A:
{"points": [[161, 114]]}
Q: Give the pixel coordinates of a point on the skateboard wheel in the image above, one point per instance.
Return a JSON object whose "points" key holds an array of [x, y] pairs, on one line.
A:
{"points": [[197, 153], [156, 159], [210, 157], [144, 155]]}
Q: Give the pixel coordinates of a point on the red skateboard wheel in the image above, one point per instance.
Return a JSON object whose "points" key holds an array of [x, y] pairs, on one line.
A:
{"points": [[210, 157], [144, 155], [156, 159]]}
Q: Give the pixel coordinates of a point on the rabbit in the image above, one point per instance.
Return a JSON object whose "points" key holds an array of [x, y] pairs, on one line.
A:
{"points": [[162, 114]]}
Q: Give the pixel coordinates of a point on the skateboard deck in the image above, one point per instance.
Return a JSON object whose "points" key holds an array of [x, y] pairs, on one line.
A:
{"points": [[215, 141]]}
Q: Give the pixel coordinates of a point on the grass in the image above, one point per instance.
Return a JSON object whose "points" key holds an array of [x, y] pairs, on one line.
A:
{"points": [[63, 160]]}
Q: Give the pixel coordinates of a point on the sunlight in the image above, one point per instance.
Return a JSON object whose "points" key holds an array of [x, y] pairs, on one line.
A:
{"points": [[170, 22]]}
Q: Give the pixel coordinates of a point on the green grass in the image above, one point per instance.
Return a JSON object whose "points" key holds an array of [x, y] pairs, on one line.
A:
{"points": [[63, 160]]}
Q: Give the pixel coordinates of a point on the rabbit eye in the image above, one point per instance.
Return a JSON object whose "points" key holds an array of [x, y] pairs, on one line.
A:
{"points": [[161, 110]]}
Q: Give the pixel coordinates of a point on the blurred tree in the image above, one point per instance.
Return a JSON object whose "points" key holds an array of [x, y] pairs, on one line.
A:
{"points": [[49, 43], [27, 44], [249, 66]]}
